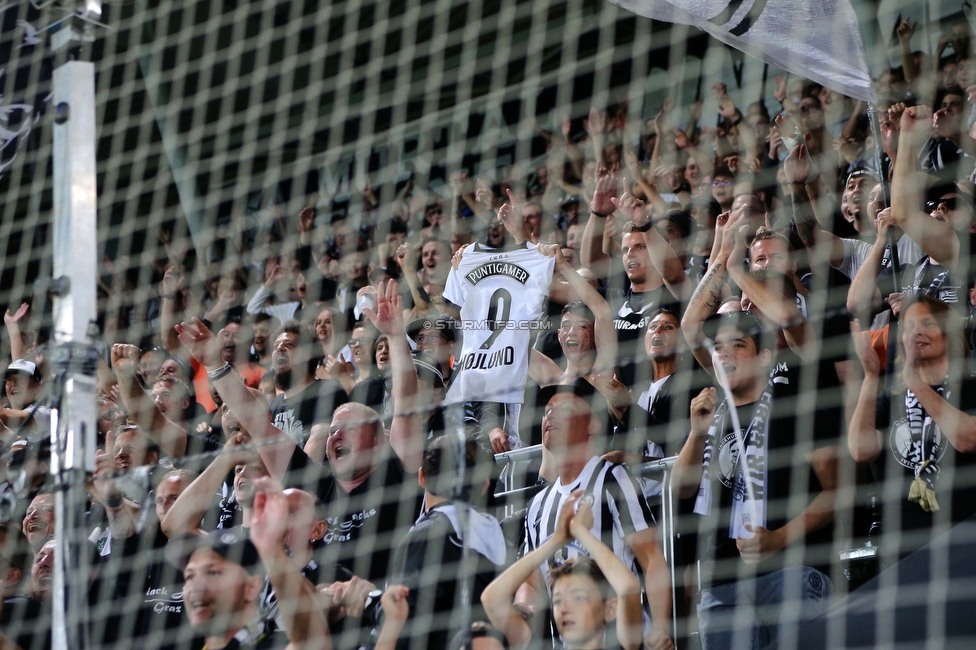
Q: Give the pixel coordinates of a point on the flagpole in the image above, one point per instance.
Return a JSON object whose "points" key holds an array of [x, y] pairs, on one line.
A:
{"points": [[892, 338]]}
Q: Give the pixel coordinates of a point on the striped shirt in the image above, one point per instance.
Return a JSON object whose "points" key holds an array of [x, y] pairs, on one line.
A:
{"points": [[619, 510]]}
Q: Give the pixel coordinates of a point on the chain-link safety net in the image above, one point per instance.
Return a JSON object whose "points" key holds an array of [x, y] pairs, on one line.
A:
{"points": [[433, 323]]}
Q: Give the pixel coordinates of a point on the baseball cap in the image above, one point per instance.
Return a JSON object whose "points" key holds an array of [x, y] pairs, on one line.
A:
{"points": [[233, 544], [744, 321], [22, 365], [442, 323]]}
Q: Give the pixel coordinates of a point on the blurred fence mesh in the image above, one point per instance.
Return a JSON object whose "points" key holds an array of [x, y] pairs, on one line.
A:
{"points": [[220, 120]]}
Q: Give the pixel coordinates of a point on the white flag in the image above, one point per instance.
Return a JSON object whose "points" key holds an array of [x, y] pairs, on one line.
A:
{"points": [[816, 39]]}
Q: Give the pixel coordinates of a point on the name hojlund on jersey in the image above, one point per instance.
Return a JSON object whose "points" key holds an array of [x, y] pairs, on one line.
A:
{"points": [[489, 269], [486, 360]]}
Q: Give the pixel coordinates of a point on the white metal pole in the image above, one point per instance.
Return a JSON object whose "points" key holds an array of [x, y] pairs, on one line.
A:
{"points": [[73, 358]]}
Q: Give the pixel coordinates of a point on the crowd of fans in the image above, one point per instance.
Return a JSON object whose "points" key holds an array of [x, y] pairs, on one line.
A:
{"points": [[297, 428]]}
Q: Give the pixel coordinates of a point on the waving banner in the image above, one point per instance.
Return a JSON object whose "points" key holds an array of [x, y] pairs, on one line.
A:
{"points": [[816, 39]]}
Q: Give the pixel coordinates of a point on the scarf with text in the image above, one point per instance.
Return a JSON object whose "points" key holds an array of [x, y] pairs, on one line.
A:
{"points": [[753, 470]]}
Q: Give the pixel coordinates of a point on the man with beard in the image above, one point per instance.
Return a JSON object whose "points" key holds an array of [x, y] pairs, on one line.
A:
{"points": [[861, 201], [370, 492], [223, 581], [236, 353], [646, 289], [632, 307], [305, 400], [147, 606], [260, 353]]}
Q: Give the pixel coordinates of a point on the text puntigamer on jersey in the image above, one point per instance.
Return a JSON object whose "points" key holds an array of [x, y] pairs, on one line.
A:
{"points": [[489, 269]]}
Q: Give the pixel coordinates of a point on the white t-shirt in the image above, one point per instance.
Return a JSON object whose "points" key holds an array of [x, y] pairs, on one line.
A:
{"points": [[500, 293]]}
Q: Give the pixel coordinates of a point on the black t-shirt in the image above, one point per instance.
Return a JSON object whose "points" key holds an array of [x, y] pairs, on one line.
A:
{"points": [[365, 524], [258, 636], [660, 417], [296, 415], [429, 562], [160, 622], [955, 487], [631, 313], [933, 279], [27, 622], [374, 393], [800, 421]]}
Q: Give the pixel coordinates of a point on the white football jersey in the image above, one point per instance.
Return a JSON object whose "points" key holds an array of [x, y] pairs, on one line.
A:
{"points": [[501, 294]]}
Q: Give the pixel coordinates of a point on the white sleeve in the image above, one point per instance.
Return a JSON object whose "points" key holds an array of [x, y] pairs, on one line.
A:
{"points": [[453, 291], [257, 304]]}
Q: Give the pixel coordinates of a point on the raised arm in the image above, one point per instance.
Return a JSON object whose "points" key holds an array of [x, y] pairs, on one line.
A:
{"points": [[773, 304], [258, 304], [167, 311], [121, 512], [591, 246], [498, 597], [604, 335], [12, 321], [905, 31], [707, 297], [170, 437], [594, 125], [406, 436], [275, 447], [864, 440], [863, 296], [626, 586], [662, 256], [687, 471], [186, 513], [822, 244], [934, 237], [298, 608]]}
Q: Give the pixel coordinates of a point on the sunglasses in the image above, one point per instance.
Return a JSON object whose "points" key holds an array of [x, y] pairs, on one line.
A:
{"points": [[951, 203]]}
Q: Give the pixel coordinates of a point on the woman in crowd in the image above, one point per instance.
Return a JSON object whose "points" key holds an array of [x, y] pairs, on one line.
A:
{"points": [[919, 435]]}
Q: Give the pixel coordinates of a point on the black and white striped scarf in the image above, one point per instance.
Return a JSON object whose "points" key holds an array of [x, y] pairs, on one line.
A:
{"points": [[754, 439], [926, 438]]}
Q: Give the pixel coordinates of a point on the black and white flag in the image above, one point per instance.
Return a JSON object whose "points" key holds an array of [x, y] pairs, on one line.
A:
{"points": [[816, 39]]}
